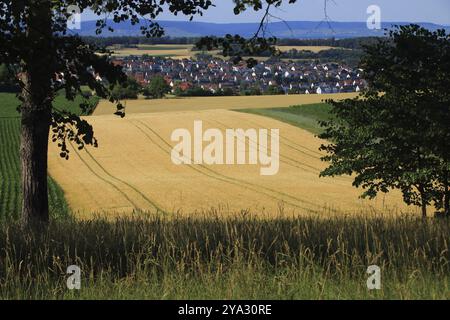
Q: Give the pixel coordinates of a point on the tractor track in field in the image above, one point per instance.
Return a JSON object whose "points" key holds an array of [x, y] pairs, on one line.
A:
{"points": [[134, 167], [102, 178], [150, 201], [340, 178], [234, 181], [220, 177], [215, 175], [134, 204], [315, 157], [317, 154], [297, 164]]}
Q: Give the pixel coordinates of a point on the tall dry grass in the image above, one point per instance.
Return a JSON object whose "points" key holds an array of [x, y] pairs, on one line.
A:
{"points": [[236, 257]]}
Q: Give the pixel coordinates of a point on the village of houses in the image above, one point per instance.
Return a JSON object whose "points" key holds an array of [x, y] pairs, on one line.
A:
{"points": [[217, 75]]}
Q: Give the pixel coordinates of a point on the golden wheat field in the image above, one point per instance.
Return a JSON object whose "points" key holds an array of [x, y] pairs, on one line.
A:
{"points": [[132, 169], [209, 103], [184, 51], [175, 51], [300, 48]]}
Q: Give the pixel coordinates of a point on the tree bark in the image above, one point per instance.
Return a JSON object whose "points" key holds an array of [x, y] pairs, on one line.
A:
{"points": [[423, 201], [36, 112], [33, 153], [446, 195], [424, 208]]}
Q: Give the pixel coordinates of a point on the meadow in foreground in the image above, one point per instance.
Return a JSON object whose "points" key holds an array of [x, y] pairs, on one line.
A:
{"points": [[211, 257]]}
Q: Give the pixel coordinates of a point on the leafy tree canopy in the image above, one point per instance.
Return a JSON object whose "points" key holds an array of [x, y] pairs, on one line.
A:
{"points": [[39, 27], [127, 90], [35, 38], [157, 88], [397, 135]]}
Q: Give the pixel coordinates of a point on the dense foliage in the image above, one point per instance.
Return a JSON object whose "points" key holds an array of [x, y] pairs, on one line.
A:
{"points": [[129, 89], [129, 41], [157, 88], [397, 136]]}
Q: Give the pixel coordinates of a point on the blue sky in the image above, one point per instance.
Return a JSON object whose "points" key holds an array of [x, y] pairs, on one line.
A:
{"points": [[436, 11]]}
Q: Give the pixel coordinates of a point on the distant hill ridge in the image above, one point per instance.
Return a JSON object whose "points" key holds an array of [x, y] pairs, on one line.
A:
{"points": [[289, 29]]}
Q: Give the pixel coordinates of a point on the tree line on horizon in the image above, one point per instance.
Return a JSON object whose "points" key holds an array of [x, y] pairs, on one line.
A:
{"points": [[130, 41]]}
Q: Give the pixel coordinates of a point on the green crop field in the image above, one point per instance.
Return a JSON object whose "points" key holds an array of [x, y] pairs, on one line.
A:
{"points": [[10, 197], [304, 116]]}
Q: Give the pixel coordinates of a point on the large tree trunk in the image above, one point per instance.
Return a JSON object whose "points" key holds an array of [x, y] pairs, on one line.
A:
{"points": [[424, 208], [33, 154], [36, 112], [446, 195], [423, 200]]}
